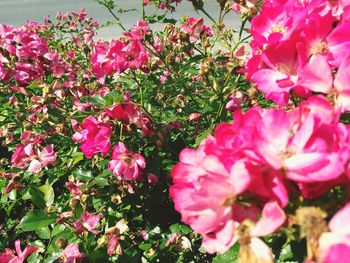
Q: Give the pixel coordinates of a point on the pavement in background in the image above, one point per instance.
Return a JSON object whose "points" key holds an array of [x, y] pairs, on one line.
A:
{"points": [[17, 12]]}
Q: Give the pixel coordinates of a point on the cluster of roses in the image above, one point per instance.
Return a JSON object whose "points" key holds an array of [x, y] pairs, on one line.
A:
{"points": [[25, 55], [253, 166], [70, 254], [120, 55], [301, 47], [94, 135]]}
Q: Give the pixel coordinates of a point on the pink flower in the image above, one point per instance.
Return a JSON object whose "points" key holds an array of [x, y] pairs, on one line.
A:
{"points": [[120, 55], [204, 192], [71, 254], [173, 238], [9, 257], [130, 113], [94, 136], [321, 80], [75, 190], [114, 234], [272, 218], [309, 56], [195, 27], [194, 117], [278, 74], [87, 222], [334, 246], [308, 149], [235, 103], [126, 164], [30, 153]]}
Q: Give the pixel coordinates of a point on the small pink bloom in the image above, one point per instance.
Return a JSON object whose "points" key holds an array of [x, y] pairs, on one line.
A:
{"points": [[144, 234], [126, 164], [194, 117], [173, 238], [88, 222], [71, 254], [152, 179], [75, 190], [114, 234]]}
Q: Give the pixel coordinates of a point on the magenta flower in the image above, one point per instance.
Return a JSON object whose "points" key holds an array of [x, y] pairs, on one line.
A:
{"points": [[130, 113], [9, 257], [126, 164], [309, 56], [87, 222], [94, 136], [204, 192]]}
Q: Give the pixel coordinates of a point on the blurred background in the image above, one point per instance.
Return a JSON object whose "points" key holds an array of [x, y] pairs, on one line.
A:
{"points": [[17, 12]]}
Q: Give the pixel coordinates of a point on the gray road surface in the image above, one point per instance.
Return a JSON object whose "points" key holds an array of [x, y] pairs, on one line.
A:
{"points": [[17, 12]]}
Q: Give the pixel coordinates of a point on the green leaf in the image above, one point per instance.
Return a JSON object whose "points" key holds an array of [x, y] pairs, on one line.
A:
{"points": [[34, 258], [34, 220], [57, 229], [230, 256], [181, 229], [97, 100], [43, 232], [42, 196], [100, 182], [37, 196], [112, 97], [77, 157], [286, 255], [145, 246], [83, 175]]}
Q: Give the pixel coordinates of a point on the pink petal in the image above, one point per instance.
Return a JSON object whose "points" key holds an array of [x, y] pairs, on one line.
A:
{"points": [[272, 218], [340, 221], [316, 75]]}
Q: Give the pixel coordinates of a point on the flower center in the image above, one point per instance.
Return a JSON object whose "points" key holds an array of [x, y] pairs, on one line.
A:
{"points": [[127, 159], [229, 201], [320, 48], [278, 28]]}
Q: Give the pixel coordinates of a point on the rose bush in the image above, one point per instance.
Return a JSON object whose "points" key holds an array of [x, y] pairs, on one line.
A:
{"points": [[202, 142]]}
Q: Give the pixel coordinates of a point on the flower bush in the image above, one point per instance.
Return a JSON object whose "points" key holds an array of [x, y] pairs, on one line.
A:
{"points": [[202, 142]]}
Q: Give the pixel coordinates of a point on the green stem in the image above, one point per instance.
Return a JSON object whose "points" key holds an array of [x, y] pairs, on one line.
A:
{"points": [[209, 16], [241, 29], [116, 18], [143, 10], [140, 87]]}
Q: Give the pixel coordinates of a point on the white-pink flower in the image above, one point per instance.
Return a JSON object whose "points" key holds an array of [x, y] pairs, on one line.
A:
{"points": [[126, 164]]}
